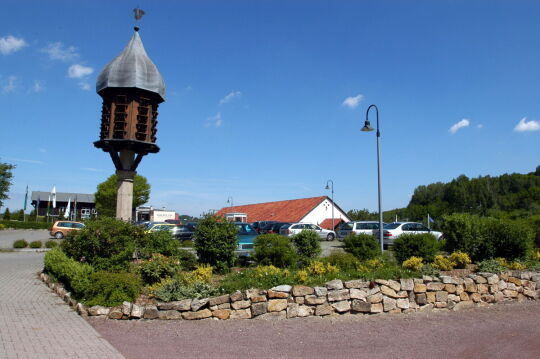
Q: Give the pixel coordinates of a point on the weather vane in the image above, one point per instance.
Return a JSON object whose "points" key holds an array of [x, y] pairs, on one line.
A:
{"points": [[138, 13]]}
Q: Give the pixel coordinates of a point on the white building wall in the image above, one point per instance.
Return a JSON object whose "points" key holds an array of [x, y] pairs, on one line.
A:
{"points": [[160, 216], [323, 211]]}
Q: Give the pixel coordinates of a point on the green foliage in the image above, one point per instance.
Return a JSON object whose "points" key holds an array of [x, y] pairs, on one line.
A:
{"points": [[110, 244], [74, 275], [20, 243], [111, 289], [460, 259], [442, 263], [362, 215], [274, 249], [107, 191], [175, 289], [486, 237], [418, 245], [157, 267], [263, 277], [7, 215], [2, 226], [308, 245], [344, 261], [6, 175], [430, 270], [51, 244], [362, 246], [215, 241], [414, 263], [26, 225], [490, 266], [188, 261], [36, 244]]}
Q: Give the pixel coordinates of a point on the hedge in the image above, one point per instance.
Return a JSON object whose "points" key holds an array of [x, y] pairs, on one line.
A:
{"points": [[26, 225]]}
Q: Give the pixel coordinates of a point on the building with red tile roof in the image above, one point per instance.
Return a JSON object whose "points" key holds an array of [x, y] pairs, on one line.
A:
{"points": [[315, 210]]}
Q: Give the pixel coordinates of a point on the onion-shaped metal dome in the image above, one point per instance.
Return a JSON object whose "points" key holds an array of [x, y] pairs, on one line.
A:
{"points": [[132, 68]]}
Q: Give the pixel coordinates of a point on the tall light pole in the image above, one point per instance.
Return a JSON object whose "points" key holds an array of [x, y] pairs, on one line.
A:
{"points": [[332, 182], [230, 200], [367, 128]]}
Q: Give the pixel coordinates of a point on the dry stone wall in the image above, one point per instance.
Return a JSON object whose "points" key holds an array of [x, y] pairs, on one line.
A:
{"points": [[334, 298]]}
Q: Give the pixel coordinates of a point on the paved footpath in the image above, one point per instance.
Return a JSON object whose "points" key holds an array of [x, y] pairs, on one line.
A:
{"points": [[35, 323]]}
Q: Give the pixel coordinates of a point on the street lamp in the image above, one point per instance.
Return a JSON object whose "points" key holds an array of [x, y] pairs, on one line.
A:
{"points": [[367, 128], [230, 200], [327, 187]]}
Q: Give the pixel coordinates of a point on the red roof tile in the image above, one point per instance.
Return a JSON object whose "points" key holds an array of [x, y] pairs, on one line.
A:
{"points": [[282, 211], [327, 223]]}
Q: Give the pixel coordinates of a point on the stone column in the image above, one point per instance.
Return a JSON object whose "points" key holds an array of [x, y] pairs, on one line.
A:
{"points": [[124, 198]]}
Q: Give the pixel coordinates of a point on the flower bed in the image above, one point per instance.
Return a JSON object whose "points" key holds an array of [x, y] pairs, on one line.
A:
{"points": [[334, 298]]}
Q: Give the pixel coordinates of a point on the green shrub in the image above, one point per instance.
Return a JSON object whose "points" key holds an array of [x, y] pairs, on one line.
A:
{"points": [[51, 244], [36, 244], [111, 244], [490, 266], [344, 261], [415, 245], [262, 277], [430, 270], [308, 246], [176, 289], [156, 268], [362, 246], [20, 243], [414, 263], [2, 226], [25, 225], [215, 241], [111, 289], [442, 263], [460, 259], [188, 260], [485, 237], [74, 275], [274, 249]]}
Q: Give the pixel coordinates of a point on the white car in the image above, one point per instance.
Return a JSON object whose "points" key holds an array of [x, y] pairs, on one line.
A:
{"points": [[358, 227], [393, 230], [295, 228]]}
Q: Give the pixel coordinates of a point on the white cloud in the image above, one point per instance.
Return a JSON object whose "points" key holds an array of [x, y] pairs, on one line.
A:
{"points": [[57, 51], [480, 126], [457, 126], [215, 121], [84, 85], [9, 85], [525, 126], [353, 102], [10, 44], [38, 86], [24, 160], [79, 71], [230, 96]]}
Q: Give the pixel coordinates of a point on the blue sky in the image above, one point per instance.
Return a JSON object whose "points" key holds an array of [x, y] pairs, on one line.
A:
{"points": [[265, 99]]}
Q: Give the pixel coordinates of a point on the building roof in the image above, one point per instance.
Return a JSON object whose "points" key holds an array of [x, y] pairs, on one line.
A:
{"points": [[63, 197], [132, 68], [282, 211], [327, 223]]}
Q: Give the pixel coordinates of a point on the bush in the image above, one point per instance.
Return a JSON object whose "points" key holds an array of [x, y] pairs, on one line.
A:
{"points": [[274, 249], [262, 277], [2, 226], [36, 244], [429, 270], [460, 259], [417, 245], [188, 261], [490, 266], [24, 225], [74, 275], [174, 289], [20, 243], [51, 244], [443, 263], [344, 261], [156, 268], [484, 237], [202, 273], [111, 289], [308, 246], [111, 244], [362, 246], [215, 241], [414, 263]]}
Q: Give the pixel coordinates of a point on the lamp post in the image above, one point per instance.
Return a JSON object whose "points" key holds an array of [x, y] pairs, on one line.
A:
{"points": [[327, 187], [367, 128], [230, 200]]}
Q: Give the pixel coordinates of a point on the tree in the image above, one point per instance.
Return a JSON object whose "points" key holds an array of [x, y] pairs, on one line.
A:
{"points": [[107, 191], [5, 180], [215, 241], [7, 215]]}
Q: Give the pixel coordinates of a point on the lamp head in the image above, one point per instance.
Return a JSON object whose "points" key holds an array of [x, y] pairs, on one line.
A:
{"points": [[367, 127], [327, 186]]}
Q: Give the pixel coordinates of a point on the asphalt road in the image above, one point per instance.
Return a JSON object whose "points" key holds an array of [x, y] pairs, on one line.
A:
{"points": [[499, 331], [8, 236]]}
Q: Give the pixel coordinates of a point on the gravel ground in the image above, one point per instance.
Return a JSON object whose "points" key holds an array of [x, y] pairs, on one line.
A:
{"points": [[499, 331]]}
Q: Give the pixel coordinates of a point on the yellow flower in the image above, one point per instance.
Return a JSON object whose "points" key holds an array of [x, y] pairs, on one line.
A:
{"points": [[414, 263], [443, 263]]}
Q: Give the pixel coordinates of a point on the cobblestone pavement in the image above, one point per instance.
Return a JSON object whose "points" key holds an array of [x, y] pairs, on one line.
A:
{"points": [[35, 323]]}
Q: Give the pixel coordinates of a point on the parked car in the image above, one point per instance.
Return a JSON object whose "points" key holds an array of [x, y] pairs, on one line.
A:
{"points": [[60, 229], [358, 227], [246, 237], [182, 232], [258, 226], [159, 226], [295, 228], [275, 227], [391, 231]]}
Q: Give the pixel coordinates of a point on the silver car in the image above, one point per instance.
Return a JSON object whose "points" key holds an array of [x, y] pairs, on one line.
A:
{"points": [[358, 227], [295, 228], [393, 230]]}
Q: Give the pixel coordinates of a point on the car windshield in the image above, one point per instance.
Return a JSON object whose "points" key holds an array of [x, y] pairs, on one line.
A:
{"points": [[245, 228], [391, 225], [347, 226]]}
